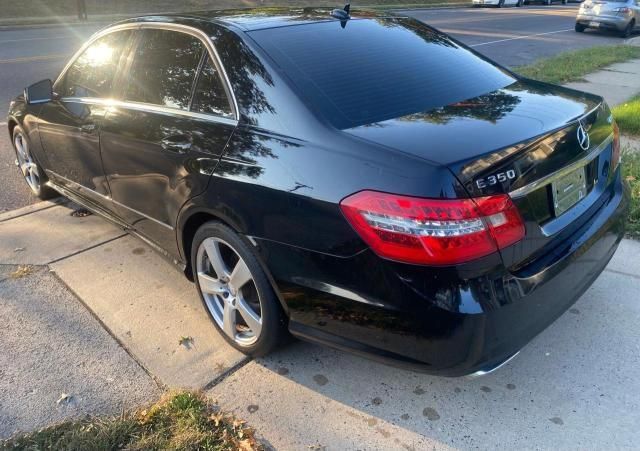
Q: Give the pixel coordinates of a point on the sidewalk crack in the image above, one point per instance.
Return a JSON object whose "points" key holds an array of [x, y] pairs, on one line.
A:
{"points": [[622, 273]]}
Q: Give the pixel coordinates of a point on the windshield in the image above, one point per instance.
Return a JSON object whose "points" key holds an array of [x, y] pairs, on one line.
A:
{"points": [[374, 70]]}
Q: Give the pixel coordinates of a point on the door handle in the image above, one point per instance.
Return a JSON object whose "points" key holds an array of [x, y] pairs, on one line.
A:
{"points": [[88, 128], [176, 143]]}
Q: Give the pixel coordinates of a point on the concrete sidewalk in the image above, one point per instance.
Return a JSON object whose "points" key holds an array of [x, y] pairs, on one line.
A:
{"points": [[574, 386]]}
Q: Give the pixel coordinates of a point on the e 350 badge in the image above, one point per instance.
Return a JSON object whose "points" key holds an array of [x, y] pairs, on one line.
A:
{"points": [[496, 178]]}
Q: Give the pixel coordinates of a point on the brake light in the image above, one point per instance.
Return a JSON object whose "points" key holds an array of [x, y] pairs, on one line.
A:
{"points": [[433, 231], [615, 147], [624, 10]]}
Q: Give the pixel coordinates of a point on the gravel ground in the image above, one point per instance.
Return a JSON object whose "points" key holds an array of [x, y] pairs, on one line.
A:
{"points": [[52, 345]]}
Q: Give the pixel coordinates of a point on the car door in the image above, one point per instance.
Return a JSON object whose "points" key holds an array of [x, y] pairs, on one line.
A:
{"points": [[162, 140], [69, 125]]}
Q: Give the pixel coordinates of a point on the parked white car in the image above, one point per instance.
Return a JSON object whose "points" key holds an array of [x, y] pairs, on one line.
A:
{"points": [[498, 3]]}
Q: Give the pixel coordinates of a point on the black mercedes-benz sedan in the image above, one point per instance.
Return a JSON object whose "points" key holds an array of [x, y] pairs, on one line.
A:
{"points": [[361, 181]]}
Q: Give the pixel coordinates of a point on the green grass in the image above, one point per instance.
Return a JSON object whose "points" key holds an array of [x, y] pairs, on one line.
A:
{"points": [[182, 421], [631, 172], [572, 66], [628, 116]]}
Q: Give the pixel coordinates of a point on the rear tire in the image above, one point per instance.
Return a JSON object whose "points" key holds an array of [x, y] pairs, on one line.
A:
{"points": [[547, 2], [580, 28], [626, 33], [32, 172], [500, 3], [564, 2], [520, 3], [235, 290]]}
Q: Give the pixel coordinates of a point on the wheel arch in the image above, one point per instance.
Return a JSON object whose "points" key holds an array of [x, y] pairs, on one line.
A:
{"points": [[12, 122], [193, 218]]}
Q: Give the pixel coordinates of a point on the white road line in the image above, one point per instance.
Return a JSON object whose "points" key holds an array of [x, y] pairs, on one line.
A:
{"points": [[47, 38], [521, 37], [33, 58], [2, 124]]}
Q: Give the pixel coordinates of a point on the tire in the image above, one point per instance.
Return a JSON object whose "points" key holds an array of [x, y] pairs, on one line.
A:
{"points": [[580, 28], [500, 3], [547, 2], [32, 172], [520, 3], [248, 316], [564, 2], [626, 33]]}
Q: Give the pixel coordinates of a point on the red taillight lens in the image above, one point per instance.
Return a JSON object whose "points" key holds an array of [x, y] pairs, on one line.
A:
{"points": [[615, 147], [433, 231]]}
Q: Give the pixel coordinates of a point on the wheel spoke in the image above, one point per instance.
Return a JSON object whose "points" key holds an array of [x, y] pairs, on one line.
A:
{"points": [[229, 320], [212, 248], [209, 284], [240, 275], [252, 319]]}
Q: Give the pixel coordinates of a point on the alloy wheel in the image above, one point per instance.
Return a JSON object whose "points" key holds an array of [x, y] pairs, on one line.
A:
{"points": [[26, 163], [229, 291]]}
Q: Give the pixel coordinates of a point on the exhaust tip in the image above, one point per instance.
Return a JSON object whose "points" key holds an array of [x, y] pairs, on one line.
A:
{"points": [[491, 369]]}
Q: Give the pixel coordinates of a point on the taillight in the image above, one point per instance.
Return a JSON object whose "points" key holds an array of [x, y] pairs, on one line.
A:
{"points": [[615, 147], [433, 231], [624, 10]]}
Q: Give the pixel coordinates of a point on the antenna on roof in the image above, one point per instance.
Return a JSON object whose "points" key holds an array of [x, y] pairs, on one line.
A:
{"points": [[342, 14]]}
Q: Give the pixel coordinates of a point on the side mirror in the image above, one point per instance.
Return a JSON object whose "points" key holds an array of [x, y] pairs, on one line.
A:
{"points": [[41, 92]]}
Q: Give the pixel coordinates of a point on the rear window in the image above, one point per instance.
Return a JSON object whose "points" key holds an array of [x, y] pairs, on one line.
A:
{"points": [[374, 70]]}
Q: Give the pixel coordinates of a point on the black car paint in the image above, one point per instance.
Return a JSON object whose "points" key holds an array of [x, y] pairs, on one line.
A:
{"points": [[279, 175]]}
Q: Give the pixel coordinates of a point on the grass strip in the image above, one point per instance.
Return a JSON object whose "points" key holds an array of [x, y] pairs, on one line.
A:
{"points": [[631, 172], [179, 421], [628, 116], [573, 65]]}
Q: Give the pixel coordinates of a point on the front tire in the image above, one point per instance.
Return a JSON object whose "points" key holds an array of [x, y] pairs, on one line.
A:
{"points": [[31, 171], [235, 290], [580, 28]]}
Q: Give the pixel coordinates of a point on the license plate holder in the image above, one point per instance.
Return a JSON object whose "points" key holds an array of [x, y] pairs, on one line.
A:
{"points": [[594, 24], [569, 190]]}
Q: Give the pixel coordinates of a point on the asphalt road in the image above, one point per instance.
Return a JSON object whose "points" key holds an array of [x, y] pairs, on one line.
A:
{"points": [[515, 36], [28, 55], [511, 36]]}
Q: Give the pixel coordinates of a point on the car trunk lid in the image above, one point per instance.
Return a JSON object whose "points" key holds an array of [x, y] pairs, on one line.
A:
{"points": [[544, 145]]}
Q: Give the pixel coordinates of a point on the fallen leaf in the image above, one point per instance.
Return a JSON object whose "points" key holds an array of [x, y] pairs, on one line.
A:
{"points": [[186, 341], [22, 271], [64, 397], [19, 249]]}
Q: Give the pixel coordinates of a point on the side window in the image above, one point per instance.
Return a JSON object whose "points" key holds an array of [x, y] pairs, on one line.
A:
{"points": [[164, 68], [209, 96], [92, 73]]}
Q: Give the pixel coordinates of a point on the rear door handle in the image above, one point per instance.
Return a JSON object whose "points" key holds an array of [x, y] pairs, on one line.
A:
{"points": [[176, 143]]}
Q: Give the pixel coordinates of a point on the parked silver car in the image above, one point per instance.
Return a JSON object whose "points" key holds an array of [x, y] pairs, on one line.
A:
{"points": [[617, 15]]}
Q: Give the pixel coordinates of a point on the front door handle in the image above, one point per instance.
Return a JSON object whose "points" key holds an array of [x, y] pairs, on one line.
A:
{"points": [[88, 128], [176, 143]]}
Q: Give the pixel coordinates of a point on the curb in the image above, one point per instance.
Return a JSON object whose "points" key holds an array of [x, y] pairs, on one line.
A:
{"points": [[12, 214]]}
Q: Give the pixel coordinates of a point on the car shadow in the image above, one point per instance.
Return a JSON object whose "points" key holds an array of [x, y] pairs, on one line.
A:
{"points": [[565, 386]]}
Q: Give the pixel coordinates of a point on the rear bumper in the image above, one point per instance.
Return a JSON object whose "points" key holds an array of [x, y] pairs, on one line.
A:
{"points": [[603, 22], [446, 321]]}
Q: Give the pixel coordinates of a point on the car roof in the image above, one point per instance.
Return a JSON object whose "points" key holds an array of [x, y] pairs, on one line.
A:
{"points": [[249, 19]]}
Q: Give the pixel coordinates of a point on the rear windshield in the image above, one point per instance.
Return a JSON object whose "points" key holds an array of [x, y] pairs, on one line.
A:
{"points": [[374, 70]]}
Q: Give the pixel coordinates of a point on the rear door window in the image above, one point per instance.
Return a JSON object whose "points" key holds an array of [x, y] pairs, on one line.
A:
{"points": [[210, 96], [92, 73], [164, 68]]}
